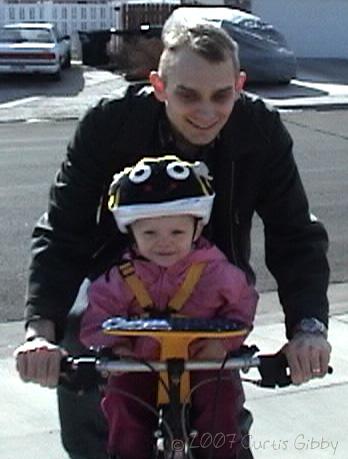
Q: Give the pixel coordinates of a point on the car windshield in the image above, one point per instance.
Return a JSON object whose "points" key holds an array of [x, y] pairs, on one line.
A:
{"points": [[261, 29], [21, 35]]}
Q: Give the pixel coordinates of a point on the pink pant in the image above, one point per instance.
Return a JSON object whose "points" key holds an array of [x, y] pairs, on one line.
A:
{"points": [[131, 425]]}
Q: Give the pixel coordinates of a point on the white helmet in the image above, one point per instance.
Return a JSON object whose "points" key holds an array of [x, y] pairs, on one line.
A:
{"points": [[157, 187]]}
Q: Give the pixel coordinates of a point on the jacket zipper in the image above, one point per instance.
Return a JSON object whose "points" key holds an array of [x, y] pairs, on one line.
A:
{"points": [[231, 239]]}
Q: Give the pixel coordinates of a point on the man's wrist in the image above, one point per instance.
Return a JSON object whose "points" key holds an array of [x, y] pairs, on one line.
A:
{"points": [[312, 326], [40, 328], [34, 337]]}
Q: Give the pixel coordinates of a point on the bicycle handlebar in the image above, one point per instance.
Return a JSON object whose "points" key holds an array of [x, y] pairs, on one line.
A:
{"points": [[120, 365], [273, 368], [177, 332]]}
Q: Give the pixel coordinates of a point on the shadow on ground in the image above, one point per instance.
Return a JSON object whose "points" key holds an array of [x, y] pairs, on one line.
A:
{"points": [[14, 87], [333, 71], [284, 91]]}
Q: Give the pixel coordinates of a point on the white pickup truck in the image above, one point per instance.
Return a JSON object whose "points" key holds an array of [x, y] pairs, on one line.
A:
{"points": [[34, 48]]}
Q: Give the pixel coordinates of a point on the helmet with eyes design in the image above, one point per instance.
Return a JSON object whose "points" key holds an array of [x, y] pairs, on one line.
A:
{"points": [[158, 187]]}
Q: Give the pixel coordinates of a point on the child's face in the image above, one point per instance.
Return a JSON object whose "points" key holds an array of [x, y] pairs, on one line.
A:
{"points": [[165, 240]]}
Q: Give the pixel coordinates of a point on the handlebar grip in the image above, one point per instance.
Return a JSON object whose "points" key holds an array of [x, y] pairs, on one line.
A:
{"points": [[274, 370], [80, 373]]}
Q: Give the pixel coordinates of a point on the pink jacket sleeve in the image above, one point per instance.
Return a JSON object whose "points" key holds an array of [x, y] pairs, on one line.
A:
{"points": [[107, 298], [238, 299]]}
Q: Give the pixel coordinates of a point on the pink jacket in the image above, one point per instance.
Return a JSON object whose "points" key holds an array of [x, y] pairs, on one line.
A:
{"points": [[222, 290]]}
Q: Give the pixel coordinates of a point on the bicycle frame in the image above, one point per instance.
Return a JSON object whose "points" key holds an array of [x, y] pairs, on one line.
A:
{"points": [[174, 367]]}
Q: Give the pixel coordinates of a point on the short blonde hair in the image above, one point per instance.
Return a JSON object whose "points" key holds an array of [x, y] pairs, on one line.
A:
{"points": [[207, 40]]}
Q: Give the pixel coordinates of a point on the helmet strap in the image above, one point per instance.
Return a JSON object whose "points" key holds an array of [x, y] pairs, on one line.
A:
{"points": [[195, 228]]}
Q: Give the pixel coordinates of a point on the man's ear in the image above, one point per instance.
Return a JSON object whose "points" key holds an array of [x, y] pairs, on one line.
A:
{"points": [[240, 82], [158, 85], [199, 229]]}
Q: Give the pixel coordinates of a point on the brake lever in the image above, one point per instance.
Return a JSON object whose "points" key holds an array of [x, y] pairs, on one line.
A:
{"points": [[275, 372]]}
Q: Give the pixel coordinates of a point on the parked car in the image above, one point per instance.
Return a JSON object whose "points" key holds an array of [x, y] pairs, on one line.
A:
{"points": [[34, 48], [264, 52]]}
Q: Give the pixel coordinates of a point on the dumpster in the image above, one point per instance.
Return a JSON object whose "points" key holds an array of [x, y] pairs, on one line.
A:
{"points": [[94, 46]]}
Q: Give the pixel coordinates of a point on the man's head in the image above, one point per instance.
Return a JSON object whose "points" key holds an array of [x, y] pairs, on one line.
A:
{"points": [[201, 37], [198, 78]]}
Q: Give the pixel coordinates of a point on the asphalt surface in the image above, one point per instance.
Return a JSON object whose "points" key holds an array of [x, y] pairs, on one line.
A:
{"points": [[299, 422], [320, 84]]}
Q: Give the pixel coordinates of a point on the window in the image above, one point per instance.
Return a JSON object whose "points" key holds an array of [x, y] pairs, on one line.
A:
{"points": [[21, 13], [64, 13], [83, 13], [32, 13], [12, 13], [93, 12], [74, 12], [102, 13]]}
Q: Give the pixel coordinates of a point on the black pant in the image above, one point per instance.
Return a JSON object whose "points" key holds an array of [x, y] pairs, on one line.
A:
{"points": [[83, 426]]}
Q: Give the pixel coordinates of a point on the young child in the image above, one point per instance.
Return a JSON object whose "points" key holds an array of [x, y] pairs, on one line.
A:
{"points": [[163, 204]]}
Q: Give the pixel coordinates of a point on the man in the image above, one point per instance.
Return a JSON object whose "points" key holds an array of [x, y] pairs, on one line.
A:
{"points": [[197, 110]]}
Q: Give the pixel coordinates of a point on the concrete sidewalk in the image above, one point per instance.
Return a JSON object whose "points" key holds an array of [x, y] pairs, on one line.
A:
{"points": [[303, 422]]}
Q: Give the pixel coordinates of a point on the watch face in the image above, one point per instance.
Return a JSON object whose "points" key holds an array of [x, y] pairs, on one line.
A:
{"points": [[312, 326]]}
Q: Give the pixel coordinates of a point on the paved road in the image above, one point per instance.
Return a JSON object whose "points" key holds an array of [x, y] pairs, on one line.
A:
{"points": [[308, 422], [30, 154]]}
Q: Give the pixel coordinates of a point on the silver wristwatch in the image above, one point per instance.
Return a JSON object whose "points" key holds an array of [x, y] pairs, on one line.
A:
{"points": [[311, 325]]}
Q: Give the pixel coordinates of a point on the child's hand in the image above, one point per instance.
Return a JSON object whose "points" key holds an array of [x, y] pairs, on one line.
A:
{"points": [[210, 349], [124, 349]]}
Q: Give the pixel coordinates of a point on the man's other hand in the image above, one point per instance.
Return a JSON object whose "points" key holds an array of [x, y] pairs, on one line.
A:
{"points": [[308, 355]]}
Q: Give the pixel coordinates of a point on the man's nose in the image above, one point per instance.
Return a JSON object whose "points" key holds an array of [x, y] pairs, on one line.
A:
{"points": [[206, 112]]}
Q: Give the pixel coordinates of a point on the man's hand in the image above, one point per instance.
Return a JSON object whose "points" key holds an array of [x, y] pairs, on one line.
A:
{"points": [[308, 355], [38, 361]]}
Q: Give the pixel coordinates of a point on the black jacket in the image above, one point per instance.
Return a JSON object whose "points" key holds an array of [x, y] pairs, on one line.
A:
{"points": [[253, 168]]}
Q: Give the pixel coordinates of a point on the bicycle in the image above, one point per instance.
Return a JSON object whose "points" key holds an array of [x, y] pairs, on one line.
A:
{"points": [[173, 437]]}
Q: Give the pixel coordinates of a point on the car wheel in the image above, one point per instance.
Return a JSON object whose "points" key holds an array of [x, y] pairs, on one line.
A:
{"points": [[67, 61]]}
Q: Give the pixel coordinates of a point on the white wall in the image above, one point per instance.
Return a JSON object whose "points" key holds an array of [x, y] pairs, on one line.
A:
{"points": [[69, 17], [313, 28]]}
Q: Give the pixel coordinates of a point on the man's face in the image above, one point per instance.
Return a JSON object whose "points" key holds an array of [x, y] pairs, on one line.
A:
{"points": [[199, 95]]}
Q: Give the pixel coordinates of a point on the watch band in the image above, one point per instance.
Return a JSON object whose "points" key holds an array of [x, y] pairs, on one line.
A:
{"points": [[311, 325]]}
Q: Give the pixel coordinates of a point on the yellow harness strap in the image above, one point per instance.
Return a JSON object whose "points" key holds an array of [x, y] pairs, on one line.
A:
{"points": [[181, 296], [136, 285], [170, 345]]}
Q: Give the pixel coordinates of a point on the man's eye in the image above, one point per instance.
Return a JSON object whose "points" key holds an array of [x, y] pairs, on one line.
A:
{"points": [[187, 97], [222, 97]]}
